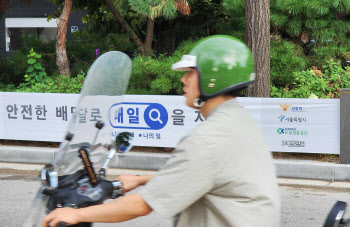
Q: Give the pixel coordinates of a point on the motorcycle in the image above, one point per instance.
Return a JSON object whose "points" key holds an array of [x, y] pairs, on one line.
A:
{"points": [[335, 217], [71, 180]]}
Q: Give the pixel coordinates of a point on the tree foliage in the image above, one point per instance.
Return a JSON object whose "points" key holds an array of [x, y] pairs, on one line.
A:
{"points": [[304, 34], [155, 8], [286, 58]]}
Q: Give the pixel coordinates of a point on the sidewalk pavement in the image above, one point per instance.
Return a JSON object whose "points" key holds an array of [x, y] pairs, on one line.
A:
{"points": [[287, 182], [150, 162]]}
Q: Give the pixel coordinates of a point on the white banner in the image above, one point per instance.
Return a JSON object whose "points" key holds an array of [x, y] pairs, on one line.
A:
{"points": [[301, 125], [34, 116], [289, 125]]}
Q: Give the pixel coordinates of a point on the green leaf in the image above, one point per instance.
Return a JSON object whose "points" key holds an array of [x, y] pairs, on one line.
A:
{"points": [[42, 73], [31, 61], [30, 69], [38, 77], [32, 75], [37, 66], [32, 54], [38, 56]]}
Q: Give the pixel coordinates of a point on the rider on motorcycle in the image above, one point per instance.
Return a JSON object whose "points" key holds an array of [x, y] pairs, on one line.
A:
{"points": [[220, 174]]}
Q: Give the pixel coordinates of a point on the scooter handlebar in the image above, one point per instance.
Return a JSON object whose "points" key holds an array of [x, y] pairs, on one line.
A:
{"points": [[117, 189]]}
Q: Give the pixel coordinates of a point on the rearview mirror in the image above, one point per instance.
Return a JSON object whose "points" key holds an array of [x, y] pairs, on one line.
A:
{"points": [[48, 177], [123, 141]]}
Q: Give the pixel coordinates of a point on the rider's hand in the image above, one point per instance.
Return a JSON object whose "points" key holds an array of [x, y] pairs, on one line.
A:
{"points": [[67, 215], [129, 182]]}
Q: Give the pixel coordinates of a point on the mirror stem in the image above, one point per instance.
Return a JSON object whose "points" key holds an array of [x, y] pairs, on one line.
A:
{"points": [[94, 141], [108, 160], [99, 125]]}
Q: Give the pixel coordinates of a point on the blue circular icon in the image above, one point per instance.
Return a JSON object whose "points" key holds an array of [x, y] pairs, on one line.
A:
{"points": [[156, 116]]}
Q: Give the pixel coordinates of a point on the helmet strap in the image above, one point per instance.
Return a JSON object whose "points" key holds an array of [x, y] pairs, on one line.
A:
{"points": [[198, 102]]}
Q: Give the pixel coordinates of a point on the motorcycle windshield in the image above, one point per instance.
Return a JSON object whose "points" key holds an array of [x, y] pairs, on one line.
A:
{"points": [[106, 81]]}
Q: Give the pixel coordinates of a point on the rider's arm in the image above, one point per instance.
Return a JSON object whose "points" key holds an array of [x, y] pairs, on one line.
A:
{"points": [[123, 209], [130, 182], [120, 210], [144, 179]]}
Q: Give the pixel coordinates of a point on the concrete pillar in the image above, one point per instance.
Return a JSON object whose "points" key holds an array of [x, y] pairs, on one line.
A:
{"points": [[345, 125]]}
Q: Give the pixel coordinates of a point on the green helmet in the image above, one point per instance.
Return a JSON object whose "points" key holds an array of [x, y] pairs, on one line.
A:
{"points": [[223, 64]]}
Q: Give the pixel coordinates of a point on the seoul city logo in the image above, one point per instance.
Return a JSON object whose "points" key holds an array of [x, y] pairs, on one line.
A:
{"points": [[285, 107], [281, 117]]}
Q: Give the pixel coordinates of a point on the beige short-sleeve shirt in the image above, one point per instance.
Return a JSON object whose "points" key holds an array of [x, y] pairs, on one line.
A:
{"points": [[220, 174]]}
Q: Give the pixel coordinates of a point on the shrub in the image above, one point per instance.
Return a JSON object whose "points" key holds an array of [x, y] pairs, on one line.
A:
{"points": [[47, 51], [35, 72], [13, 68], [316, 83], [36, 79], [154, 75], [57, 84]]}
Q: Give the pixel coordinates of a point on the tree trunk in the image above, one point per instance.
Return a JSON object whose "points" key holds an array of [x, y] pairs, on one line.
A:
{"points": [[61, 52], [120, 19], [149, 37], [257, 15]]}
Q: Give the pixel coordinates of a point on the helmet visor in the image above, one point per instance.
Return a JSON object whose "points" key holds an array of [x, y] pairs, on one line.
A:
{"points": [[186, 63]]}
